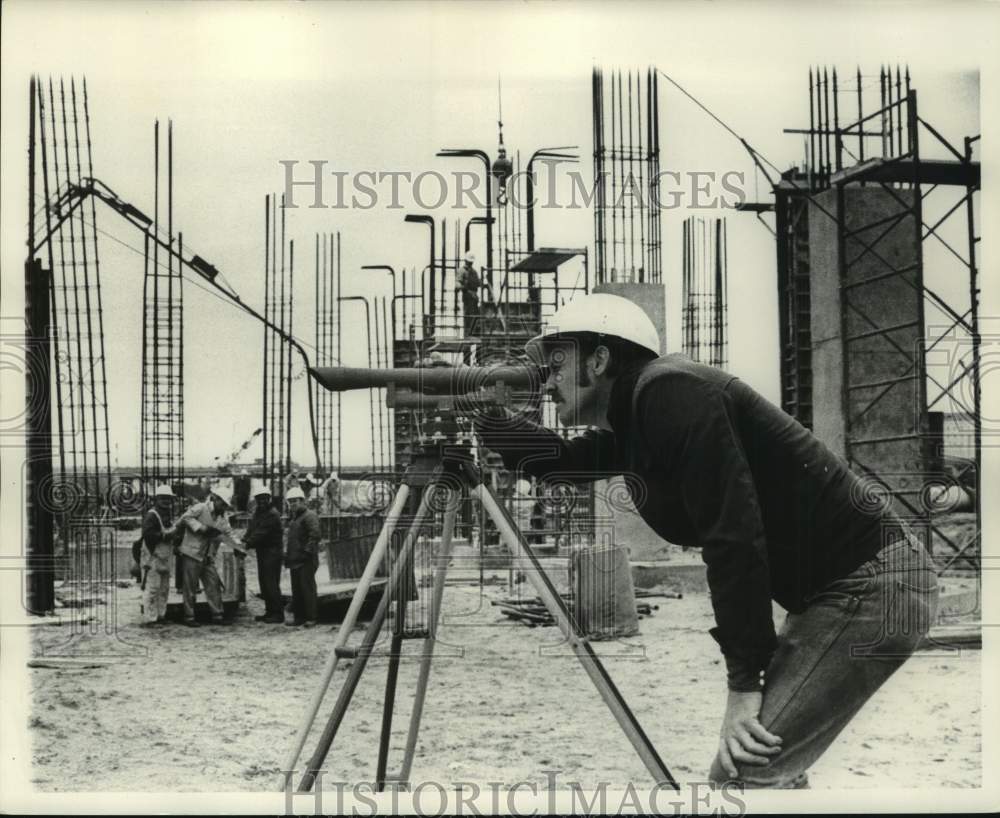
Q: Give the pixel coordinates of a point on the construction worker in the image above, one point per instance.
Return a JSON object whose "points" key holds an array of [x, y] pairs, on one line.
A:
{"points": [[264, 535], [302, 558], [468, 288], [712, 464], [329, 491], [157, 556], [204, 526]]}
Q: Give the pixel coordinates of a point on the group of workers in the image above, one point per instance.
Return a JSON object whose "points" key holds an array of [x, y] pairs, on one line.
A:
{"points": [[195, 539]]}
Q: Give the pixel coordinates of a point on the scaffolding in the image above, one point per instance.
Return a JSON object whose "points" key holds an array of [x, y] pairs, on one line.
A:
{"points": [[627, 232], [866, 190], [705, 277]]}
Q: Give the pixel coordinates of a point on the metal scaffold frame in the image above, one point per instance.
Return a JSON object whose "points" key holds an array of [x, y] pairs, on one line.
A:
{"points": [[881, 150]]}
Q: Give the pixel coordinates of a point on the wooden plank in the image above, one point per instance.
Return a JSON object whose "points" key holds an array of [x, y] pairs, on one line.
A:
{"points": [[65, 662]]}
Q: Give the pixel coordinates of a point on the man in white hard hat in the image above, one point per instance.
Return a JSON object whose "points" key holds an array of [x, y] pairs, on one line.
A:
{"points": [[157, 556], [264, 535], [302, 558], [204, 525], [329, 491], [710, 463]]}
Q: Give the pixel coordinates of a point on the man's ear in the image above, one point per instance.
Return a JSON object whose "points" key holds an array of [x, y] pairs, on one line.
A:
{"points": [[601, 359]]}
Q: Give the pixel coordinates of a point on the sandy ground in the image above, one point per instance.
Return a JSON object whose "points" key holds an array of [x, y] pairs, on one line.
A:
{"points": [[215, 709]]}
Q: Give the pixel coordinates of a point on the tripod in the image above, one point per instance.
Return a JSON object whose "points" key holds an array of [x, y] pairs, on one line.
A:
{"points": [[444, 467]]}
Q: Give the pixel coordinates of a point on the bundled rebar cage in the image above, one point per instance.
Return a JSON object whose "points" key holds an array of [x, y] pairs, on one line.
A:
{"points": [[705, 312], [162, 440], [64, 225], [328, 336], [627, 232], [278, 284]]}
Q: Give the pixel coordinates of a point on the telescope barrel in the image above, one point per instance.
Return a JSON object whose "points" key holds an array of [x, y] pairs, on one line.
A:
{"points": [[436, 380]]}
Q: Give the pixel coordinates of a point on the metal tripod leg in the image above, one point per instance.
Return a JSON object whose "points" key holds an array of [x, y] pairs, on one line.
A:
{"points": [[362, 653], [344, 633], [592, 664]]}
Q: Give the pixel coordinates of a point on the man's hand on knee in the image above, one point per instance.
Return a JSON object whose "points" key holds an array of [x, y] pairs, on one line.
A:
{"points": [[743, 739]]}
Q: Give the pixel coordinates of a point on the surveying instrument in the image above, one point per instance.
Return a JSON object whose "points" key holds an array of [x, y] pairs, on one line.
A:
{"points": [[441, 467]]}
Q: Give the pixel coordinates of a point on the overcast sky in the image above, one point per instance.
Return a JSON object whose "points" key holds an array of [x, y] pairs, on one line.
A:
{"points": [[382, 88]]}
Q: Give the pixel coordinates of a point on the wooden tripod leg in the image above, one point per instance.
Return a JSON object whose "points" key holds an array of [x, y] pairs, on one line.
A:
{"points": [[581, 647], [440, 572], [344, 632], [364, 651]]}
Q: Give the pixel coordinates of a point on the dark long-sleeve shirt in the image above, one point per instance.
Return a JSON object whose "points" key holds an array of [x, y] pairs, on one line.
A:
{"points": [[153, 525], [710, 463], [264, 530], [303, 538]]}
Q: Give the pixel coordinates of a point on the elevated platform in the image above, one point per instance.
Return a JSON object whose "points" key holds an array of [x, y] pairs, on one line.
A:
{"points": [[926, 171]]}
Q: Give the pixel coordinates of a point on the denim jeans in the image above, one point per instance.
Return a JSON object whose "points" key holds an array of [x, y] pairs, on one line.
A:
{"points": [[834, 655]]}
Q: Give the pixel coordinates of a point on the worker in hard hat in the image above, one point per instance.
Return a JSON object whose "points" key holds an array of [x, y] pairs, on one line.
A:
{"points": [[204, 526], [157, 557], [712, 464], [329, 491], [468, 285], [264, 535], [302, 557]]}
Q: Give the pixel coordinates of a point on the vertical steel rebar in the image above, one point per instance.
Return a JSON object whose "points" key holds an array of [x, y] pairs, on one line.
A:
{"points": [[289, 331], [836, 122], [265, 415], [861, 128]]}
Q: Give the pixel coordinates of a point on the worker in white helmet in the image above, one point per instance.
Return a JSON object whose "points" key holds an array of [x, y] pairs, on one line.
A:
{"points": [[204, 526], [157, 556], [329, 491], [264, 535], [302, 557], [710, 463]]}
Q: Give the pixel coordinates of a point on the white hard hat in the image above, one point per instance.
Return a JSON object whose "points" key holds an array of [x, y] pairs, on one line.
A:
{"points": [[225, 494], [295, 494], [163, 490], [470, 257], [258, 488], [601, 313]]}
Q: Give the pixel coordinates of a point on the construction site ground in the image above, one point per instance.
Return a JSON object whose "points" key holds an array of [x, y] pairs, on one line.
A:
{"points": [[215, 709]]}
